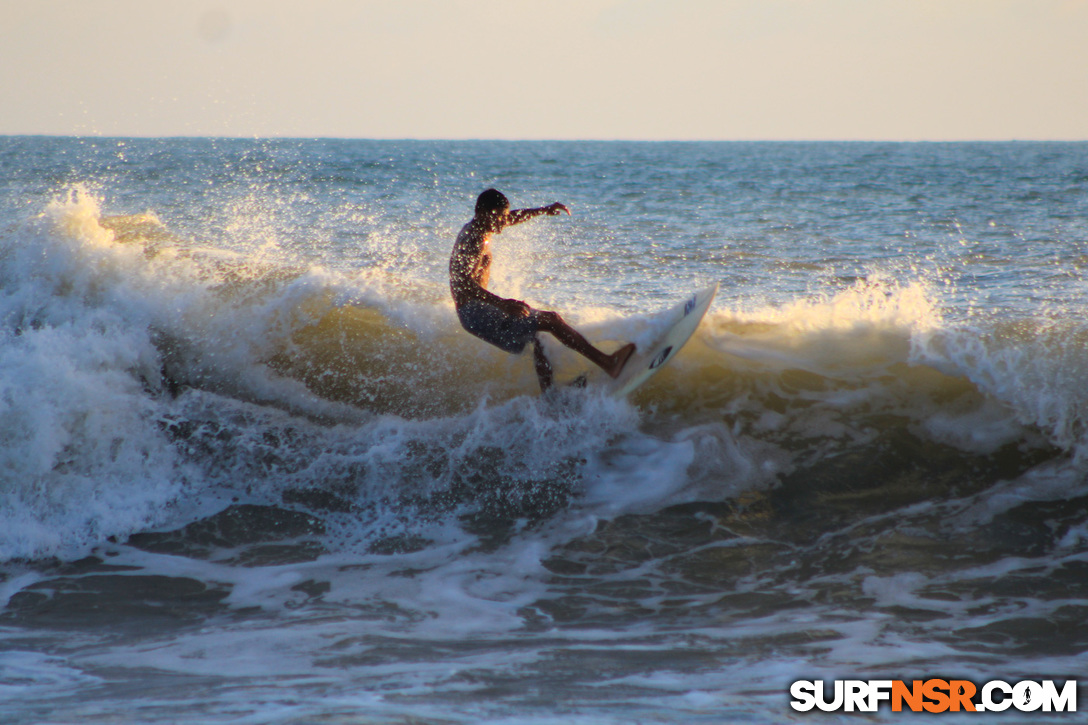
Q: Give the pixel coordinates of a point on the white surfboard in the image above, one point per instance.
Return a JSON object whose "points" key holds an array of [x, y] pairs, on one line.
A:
{"points": [[667, 333]]}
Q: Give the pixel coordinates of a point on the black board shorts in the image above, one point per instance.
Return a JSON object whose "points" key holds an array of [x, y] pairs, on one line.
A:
{"points": [[491, 324]]}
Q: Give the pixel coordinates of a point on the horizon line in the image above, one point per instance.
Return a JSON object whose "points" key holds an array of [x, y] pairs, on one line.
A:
{"points": [[474, 139]]}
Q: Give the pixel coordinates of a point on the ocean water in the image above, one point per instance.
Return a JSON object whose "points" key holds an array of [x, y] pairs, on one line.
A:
{"points": [[253, 471]]}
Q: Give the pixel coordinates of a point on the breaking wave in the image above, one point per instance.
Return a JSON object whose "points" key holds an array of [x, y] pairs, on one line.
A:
{"points": [[146, 379]]}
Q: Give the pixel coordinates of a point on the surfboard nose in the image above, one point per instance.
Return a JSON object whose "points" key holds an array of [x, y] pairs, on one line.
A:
{"points": [[678, 324]]}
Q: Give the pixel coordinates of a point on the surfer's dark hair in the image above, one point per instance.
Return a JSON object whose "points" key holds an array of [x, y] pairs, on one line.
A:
{"points": [[490, 202]]}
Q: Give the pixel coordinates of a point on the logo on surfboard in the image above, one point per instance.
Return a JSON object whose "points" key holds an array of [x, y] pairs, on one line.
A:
{"points": [[690, 305], [661, 358]]}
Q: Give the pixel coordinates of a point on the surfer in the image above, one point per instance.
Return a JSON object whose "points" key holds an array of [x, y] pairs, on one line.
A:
{"points": [[510, 324]]}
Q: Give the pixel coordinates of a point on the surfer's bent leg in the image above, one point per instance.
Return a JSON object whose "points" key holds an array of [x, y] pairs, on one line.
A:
{"points": [[611, 364], [512, 334], [543, 367]]}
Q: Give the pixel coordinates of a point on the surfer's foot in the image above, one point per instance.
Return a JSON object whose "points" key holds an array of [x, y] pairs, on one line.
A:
{"points": [[619, 359]]}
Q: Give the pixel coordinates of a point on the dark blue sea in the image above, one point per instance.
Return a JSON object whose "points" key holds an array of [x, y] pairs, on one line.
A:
{"points": [[253, 471]]}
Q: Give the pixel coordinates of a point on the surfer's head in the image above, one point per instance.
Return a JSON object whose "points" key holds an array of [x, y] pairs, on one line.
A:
{"points": [[492, 207]]}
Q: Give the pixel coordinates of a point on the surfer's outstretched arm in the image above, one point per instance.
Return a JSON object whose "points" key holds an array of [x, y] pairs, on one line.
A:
{"points": [[523, 215]]}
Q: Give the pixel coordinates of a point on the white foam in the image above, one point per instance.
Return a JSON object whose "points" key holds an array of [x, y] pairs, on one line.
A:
{"points": [[879, 342], [1035, 367], [83, 456], [29, 676], [864, 328]]}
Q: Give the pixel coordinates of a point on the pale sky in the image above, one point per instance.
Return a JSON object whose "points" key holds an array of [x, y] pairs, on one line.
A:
{"points": [[547, 69]]}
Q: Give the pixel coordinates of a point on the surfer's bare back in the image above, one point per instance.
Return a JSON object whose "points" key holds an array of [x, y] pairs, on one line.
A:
{"points": [[507, 323]]}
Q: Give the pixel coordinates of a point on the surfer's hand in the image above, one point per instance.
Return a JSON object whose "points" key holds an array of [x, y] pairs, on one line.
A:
{"points": [[556, 209]]}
